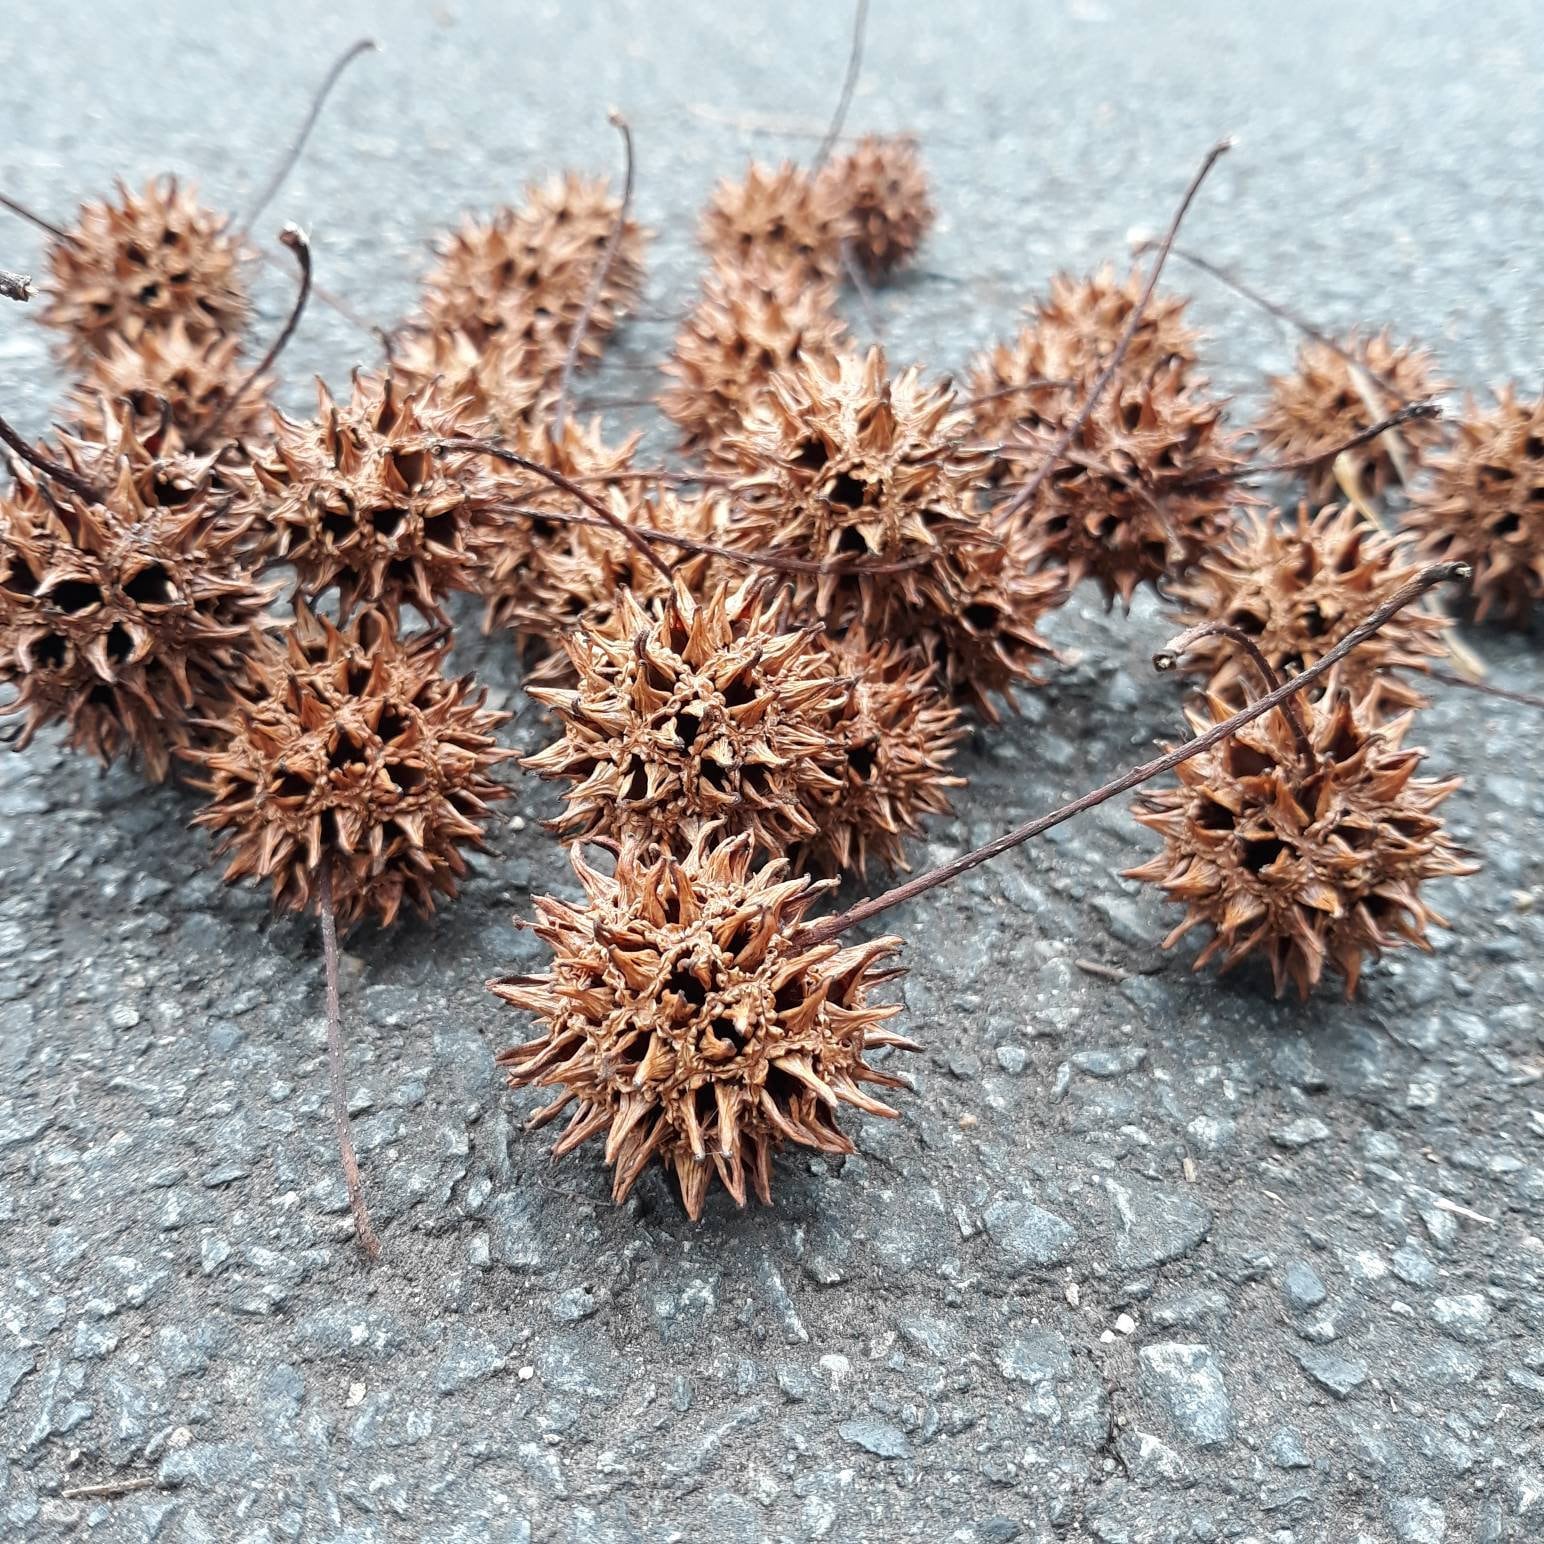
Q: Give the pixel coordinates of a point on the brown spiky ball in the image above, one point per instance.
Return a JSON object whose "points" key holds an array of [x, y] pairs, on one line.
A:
{"points": [[1144, 488], [742, 332], [777, 216], [497, 388], [686, 1025], [1484, 505], [141, 261], [1296, 587], [1307, 864], [358, 752], [893, 740], [121, 618], [691, 712], [881, 192], [1085, 315], [357, 498], [1321, 403]]}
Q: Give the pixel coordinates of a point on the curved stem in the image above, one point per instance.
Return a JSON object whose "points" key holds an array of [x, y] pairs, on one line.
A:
{"points": [[1174, 650], [287, 164], [832, 927], [849, 84], [1448, 678], [598, 279], [1066, 437], [56, 470], [339, 1087], [1415, 410]]}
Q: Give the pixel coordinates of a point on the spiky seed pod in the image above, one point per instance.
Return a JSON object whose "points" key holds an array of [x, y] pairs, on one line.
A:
{"points": [[123, 619], [1484, 506], [357, 498], [745, 328], [881, 190], [1296, 588], [358, 753], [1085, 315], [778, 216], [692, 712], [1143, 490], [143, 261], [1307, 865], [1008, 398], [177, 384], [496, 388], [686, 1024], [894, 738], [523, 274], [1319, 403]]}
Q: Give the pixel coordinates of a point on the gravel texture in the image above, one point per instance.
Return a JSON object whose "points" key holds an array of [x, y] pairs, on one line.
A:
{"points": [[1148, 1256]]}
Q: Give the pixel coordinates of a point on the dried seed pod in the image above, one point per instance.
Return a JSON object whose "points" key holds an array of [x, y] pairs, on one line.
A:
{"points": [[694, 711], [122, 618], [523, 274], [177, 384], [776, 216], [1306, 864], [1026, 387], [1296, 590], [357, 498], [882, 193], [1084, 317], [1321, 403], [498, 388], [140, 262], [1142, 491], [894, 739], [358, 753], [1484, 505], [741, 332], [688, 1026]]}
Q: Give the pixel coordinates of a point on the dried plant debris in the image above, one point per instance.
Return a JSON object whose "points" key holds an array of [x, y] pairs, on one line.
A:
{"points": [[123, 619], [745, 328], [1296, 587], [880, 190], [1325, 400], [1307, 861], [497, 387], [1084, 317], [357, 752], [777, 216], [695, 711], [357, 498], [1484, 505], [686, 1025], [142, 261]]}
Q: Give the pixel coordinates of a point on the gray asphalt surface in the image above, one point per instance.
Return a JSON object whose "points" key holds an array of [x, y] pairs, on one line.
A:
{"points": [[1149, 1256]]}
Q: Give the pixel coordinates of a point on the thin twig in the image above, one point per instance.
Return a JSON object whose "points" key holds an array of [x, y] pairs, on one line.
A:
{"points": [[1034, 384], [107, 1490], [1415, 410], [48, 466], [1449, 679], [1169, 656], [287, 164], [299, 243], [16, 286], [356, 1190], [1066, 437], [33, 218], [599, 277], [832, 927], [849, 83], [326, 296], [861, 290]]}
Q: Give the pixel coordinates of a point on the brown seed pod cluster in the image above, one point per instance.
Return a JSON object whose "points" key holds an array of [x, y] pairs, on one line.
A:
{"points": [[123, 619], [1325, 398], [1309, 855], [1297, 586], [140, 262], [683, 1023], [358, 752], [1484, 505], [880, 194], [778, 216]]}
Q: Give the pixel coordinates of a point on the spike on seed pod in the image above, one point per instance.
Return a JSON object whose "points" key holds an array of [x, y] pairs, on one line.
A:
{"points": [[778, 216], [356, 752], [881, 190], [1484, 505], [357, 498], [124, 619], [683, 1023], [1085, 315], [698, 711], [142, 261], [497, 388], [1296, 588], [1322, 401], [1310, 863]]}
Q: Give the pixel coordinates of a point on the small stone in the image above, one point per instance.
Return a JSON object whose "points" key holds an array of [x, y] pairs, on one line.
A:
{"points": [[877, 1437], [1185, 1382], [1147, 1459], [1413, 1267], [1012, 1058], [1286, 1450], [1027, 1236], [1109, 1064], [1465, 1316], [1338, 1375], [1154, 1225], [471, 1357], [1300, 1133], [1212, 1133], [1416, 1520], [1301, 1287]]}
